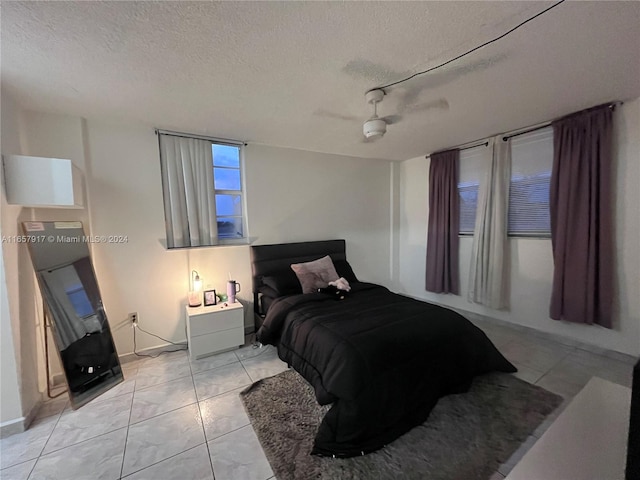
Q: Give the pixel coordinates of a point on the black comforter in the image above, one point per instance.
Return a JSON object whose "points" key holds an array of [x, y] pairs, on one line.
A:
{"points": [[381, 358]]}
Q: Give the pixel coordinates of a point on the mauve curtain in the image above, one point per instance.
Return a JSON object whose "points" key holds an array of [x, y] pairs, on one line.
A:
{"points": [[444, 223], [581, 218], [489, 273]]}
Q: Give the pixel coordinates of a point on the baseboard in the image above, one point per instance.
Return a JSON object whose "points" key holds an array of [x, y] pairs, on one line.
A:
{"points": [[554, 337], [130, 357], [11, 427], [19, 425]]}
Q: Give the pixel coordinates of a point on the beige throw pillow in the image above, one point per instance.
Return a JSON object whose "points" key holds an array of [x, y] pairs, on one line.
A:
{"points": [[316, 274]]}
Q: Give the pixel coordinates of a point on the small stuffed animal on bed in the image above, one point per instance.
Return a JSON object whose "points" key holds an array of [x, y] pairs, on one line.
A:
{"points": [[335, 292], [341, 284]]}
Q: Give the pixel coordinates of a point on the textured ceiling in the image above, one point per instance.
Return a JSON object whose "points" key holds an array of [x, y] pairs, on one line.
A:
{"points": [[294, 74]]}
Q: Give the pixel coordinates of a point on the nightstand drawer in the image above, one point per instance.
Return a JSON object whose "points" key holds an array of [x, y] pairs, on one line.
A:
{"points": [[205, 345], [210, 323], [215, 328]]}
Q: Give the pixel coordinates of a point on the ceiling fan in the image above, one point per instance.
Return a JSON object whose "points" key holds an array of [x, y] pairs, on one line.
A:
{"points": [[375, 127]]}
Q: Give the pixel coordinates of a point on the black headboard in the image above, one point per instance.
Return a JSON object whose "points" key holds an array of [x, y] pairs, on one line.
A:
{"points": [[271, 259]]}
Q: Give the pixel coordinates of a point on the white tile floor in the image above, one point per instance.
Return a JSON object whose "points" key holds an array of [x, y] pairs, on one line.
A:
{"points": [[175, 419], [171, 419]]}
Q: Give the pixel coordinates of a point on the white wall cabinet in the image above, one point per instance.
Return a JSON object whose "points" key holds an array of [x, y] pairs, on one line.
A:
{"points": [[43, 182], [214, 329]]}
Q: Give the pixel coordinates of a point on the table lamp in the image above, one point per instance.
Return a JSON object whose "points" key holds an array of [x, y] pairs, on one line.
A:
{"points": [[195, 294]]}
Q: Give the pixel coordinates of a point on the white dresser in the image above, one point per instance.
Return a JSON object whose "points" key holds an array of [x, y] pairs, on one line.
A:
{"points": [[214, 329]]}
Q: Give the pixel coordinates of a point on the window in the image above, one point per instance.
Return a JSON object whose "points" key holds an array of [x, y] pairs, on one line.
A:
{"points": [[227, 180], [202, 185], [531, 164], [469, 176], [80, 301]]}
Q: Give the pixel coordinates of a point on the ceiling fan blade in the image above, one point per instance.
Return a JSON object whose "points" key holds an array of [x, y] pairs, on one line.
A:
{"points": [[371, 139], [337, 116], [392, 119], [439, 104]]}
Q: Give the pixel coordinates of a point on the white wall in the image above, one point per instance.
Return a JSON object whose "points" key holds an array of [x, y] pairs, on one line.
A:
{"points": [[294, 195], [19, 364], [531, 259], [291, 195], [37, 134], [126, 199], [10, 398]]}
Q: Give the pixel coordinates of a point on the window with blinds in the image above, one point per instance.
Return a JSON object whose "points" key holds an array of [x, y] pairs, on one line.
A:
{"points": [[531, 164], [469, 176]]}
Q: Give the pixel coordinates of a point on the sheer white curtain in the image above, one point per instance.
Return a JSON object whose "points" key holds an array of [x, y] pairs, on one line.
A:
{"points": [[488, 277], [189, 195]]}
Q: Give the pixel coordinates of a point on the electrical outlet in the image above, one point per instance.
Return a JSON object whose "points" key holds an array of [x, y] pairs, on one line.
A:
{"points": [[133, 318]]}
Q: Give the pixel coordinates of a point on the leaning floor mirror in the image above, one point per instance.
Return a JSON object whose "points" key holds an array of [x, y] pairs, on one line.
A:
{"points": [[73, 306]]}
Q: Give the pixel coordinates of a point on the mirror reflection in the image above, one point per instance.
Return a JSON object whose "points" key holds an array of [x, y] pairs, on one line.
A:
{"points": [[81, 332]]}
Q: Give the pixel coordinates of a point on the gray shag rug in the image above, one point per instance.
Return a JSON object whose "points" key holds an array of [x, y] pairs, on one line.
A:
{"points": [[466, 437]]}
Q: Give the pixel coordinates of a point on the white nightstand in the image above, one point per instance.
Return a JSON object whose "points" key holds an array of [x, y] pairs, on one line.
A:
{"points": [[214, 329]]}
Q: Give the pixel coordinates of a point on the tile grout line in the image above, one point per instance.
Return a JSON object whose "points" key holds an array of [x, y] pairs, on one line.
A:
{"points": [[45, 445], [204, 431], [160, 461], [86, 439], [233, 431], [163, 413], [214, 368], [33, 467], [248, 375], [554, 366], [169, 411], [126, 438]]}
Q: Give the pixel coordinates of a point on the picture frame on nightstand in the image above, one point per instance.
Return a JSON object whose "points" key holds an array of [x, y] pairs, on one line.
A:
{"points": [[210, 298]]}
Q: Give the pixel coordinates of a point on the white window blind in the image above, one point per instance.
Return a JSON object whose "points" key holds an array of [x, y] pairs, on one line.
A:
{"points": [[531, 164], [471, 172]]}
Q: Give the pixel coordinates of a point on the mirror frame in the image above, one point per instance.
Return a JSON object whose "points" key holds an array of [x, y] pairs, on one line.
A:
{"points": [[36, 232]]}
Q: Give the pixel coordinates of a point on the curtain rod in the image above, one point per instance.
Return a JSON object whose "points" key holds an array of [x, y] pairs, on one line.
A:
{"points": [[612, 106], [200, 137], [528, 130], [483, 144], [540, 126]]}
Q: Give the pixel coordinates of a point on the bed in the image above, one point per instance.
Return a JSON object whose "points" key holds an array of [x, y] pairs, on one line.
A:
{"points": [[382, 360]]}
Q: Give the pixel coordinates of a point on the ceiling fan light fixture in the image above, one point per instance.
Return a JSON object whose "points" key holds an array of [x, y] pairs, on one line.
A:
{"points": [[374, 128]]}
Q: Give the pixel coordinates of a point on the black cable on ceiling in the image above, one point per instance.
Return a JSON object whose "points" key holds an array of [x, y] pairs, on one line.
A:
{"points": [[470, 51]]}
